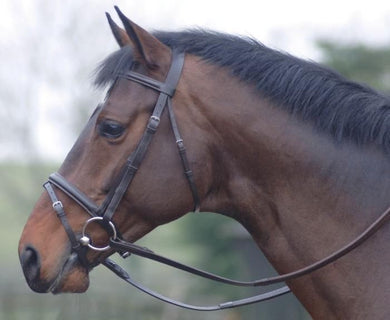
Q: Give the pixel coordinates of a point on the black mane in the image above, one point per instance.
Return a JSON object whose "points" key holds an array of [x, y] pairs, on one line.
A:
{"points": [[333, 104]]}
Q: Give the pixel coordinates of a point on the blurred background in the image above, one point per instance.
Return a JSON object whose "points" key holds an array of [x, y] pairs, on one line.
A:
{"points": [[49, 50]]}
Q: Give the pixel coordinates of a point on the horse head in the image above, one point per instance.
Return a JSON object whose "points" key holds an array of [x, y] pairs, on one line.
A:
{"points": [[159, 192]]}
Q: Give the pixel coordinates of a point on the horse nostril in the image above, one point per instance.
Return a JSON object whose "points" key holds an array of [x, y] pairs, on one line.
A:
{"points": [[31, 265]]}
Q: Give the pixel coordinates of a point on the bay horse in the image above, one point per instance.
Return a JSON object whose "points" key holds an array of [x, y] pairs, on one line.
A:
{"points": [[297, 154]]}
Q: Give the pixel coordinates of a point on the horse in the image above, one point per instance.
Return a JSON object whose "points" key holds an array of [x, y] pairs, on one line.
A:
{"points": [[293, 151]]}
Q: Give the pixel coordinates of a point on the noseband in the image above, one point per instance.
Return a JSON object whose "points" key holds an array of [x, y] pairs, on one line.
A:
{"points": [[104, 214]]}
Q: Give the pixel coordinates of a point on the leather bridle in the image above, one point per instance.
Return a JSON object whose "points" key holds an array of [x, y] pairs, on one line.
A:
{"points": [[103, 214]]}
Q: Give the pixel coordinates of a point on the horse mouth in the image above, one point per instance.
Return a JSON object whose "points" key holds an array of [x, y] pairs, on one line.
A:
{"points": [[73, 277]]}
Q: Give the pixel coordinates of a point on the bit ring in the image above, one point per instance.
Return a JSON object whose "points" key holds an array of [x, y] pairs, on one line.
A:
{"points": [[88, 243]]}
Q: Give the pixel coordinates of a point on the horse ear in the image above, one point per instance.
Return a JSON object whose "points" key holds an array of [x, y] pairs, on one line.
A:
{"points": [[147, 48], [120, 35]]}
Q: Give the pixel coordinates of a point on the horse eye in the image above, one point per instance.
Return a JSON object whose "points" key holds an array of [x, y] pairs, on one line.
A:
{"points": [[110, 129]]}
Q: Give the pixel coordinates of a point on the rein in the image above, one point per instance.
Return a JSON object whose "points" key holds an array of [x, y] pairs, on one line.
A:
{"points": [[104, 214]]}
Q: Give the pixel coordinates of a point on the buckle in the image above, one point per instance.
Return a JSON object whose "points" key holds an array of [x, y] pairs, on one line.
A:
{"points": [[154, 121], [155, 118], [57, 204]]}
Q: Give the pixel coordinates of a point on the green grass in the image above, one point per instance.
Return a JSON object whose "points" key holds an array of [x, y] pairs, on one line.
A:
{"points": [[197, 239], [20, 186], [107, 297]]}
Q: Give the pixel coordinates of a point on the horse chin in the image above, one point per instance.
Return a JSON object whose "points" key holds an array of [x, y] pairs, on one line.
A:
{"points": [[72, 278]]}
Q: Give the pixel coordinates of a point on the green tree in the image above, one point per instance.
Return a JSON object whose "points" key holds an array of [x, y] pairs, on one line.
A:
{"points": [[359, 62]]}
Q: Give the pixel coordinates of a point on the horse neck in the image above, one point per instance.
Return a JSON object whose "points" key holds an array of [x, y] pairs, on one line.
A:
{"points": [[301, 197]]}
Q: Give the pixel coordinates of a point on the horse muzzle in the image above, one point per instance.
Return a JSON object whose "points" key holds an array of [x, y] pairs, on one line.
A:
{"points": [[71, 276]]}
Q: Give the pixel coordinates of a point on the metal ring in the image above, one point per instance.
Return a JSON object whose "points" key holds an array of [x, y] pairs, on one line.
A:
{"points": [[99, 219]]}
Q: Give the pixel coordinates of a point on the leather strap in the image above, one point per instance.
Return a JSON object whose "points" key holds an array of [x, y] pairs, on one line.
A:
{"points": [[134, 161], [226, 305], [73, 192], [183, 157], [121, 245], [59, 209], [146, 81]]}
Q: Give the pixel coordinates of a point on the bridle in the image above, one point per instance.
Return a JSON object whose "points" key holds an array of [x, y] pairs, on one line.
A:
{"points": [[104, 213]]}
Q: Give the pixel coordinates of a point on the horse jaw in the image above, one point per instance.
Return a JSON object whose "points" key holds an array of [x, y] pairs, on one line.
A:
{"points": [[72, 277]]}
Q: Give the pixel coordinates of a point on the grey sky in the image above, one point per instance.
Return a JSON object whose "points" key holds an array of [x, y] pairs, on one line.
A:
{"points": [[291, 26]]}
